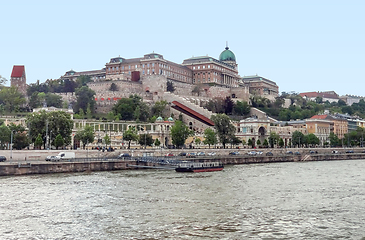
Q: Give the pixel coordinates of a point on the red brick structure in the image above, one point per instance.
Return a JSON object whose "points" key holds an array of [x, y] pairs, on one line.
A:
{"points": [[18, 79]]}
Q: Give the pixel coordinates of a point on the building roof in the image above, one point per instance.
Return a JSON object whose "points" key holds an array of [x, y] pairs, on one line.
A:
{"points": [[227, 55], [330, 94], [319, 117], [17, 71], [193, 113]]}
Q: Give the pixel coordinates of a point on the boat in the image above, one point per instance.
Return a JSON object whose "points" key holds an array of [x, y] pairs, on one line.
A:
{"points": [[187, 166]]}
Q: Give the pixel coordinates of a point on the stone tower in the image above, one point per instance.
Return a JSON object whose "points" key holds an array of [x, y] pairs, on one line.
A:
{"points": [[18, 79]]}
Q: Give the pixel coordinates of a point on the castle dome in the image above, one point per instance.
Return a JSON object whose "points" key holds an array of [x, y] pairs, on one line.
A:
{"points": [[227, 55]]}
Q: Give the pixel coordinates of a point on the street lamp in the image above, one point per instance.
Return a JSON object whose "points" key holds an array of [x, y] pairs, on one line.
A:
{"points": [[11, 145]]}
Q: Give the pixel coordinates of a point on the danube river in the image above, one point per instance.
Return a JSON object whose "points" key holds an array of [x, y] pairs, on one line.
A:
{"points": [[300, 200]]}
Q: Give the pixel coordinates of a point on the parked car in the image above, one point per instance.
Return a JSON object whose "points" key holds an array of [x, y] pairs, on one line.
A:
{"points": [[350, 151], [2, 158], [124, 155], [182, 154], [51, 158], [169, 155], [200, 154], [335, 152], [289, 152], [234, 153], [297, 153], [252, 153], [191, 155], [269, 154], [259, 153], [212, 154]]}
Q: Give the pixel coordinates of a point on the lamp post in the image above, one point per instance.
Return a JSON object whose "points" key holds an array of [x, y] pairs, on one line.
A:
{"points": [[11, 146]]}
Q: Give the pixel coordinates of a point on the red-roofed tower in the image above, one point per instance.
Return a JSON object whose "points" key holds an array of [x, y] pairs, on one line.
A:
{"points": [[18, 79]]}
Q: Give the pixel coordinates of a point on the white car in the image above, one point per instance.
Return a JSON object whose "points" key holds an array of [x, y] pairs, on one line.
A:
{"points": [[212, 154], [259, 153], [252, 153]]}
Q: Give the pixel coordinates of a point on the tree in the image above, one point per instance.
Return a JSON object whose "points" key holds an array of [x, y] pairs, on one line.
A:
{"points": [[241, 108], [20, 140], [145, 140], [312, 139], [273, 139], [234, 140], [258, 142], [127, 108], [130, 135], [5, 135], [249, 142], [53, 100], [3, 80], [84, 97], [297, 138], [85, 135], [281, 142], [334, 140], [58, 142], [11, 98], [38, 141], [113, 87], [44, 123], [223, 127], [244, 142], [179, 133], [83, 80], [198, 141], [266, 143], [157, 142], [210, 137], [107, 140], [159, 108], [170, 86]]}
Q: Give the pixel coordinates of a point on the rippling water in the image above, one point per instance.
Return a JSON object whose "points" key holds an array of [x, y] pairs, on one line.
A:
{"points": [[307, 200]]}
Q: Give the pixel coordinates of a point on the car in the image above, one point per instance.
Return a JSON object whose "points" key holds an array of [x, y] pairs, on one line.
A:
{"points": [[124, 155], [200, 154], [350, 151], [182, 154], [312, 152], [51, 158], [297, 153], [2, 158], [252, 153], [169, 155], [335, 152], [234, 153], [191, 155], [259, 153], [212, 153], [269, 154], [289, 152]]}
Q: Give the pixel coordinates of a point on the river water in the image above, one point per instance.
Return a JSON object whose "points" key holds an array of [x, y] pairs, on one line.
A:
{"points": [[306, 200]]}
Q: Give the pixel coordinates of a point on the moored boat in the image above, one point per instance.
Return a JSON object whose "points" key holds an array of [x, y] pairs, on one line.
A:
{"points": [[199, 166]]}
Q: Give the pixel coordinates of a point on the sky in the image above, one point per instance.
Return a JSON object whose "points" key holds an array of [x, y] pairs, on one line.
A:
{"points": [[301, 45]]}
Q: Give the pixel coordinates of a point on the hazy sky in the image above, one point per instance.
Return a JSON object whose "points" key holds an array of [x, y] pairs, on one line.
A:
{"points": [[301, 45]]}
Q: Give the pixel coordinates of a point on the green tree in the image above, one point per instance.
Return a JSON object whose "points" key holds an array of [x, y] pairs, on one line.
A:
{"points": [[85, 135], [298, 138], [84, 97], [179, 133], [88, 112], [273, 139], [157, 142], [281, 142], [312, 139], [107, 140], [44, 123], [113, 87], [5, 134], [234, 140], [244, 142], [210, 137], [11, 98], [83, 80], [241, 108], [53, 100], [58, 142], [130, 135], [159, 108], [198, 141], [258, 142], [334, 140], [20, 140], [170, 86], [266, 143], [145, 140], [249, 142], [38, 141], [223, 127]]}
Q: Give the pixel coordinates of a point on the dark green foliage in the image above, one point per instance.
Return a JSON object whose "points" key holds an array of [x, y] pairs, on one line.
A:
{"points": [[179, 133], [86, 135], [223, 127], [85, 98], [145, 140], [132, 108]]}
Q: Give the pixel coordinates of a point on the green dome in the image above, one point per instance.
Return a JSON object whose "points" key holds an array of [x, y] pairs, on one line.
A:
{"points": [[227, 55], [170, 119], [159, 119]]}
